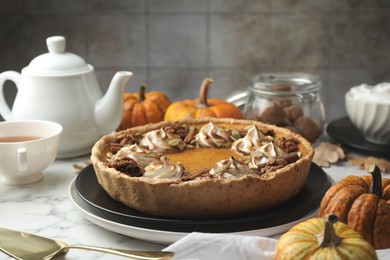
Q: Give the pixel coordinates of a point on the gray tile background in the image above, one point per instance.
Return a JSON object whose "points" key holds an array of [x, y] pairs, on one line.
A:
{"points": [[171, 45]]}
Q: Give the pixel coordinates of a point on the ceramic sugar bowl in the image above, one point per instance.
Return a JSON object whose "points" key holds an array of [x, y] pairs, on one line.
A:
{"points": [[60, 86]]}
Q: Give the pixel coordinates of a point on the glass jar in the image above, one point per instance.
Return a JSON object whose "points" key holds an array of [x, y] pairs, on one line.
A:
{"points": [[290, 100]]}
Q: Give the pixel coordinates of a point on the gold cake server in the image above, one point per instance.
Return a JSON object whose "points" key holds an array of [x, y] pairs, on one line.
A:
{"points": [[25, 246]]}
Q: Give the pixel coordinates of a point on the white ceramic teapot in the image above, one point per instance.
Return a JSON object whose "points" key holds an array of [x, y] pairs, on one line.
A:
{"points": [[61, 87]]}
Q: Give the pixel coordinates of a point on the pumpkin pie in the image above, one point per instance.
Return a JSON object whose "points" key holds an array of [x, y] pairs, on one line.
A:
{"points": [[202, 168]]}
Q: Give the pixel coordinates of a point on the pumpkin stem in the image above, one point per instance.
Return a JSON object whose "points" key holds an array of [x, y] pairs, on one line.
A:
{"points": [[204, 89], [142, 92], [376, 183], [328, 237]]}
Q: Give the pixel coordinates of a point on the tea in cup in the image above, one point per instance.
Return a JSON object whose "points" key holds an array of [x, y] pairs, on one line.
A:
{"points": [[27, 147]]}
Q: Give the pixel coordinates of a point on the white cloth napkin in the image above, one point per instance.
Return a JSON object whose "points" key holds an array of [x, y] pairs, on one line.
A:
{"points": [[205, 246]]}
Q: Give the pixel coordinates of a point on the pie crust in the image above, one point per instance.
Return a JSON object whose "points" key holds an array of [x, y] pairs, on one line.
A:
{"points": [[204, 198]]}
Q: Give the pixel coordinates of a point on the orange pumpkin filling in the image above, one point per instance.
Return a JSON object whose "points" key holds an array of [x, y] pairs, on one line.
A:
{"points": [[195, 160]]}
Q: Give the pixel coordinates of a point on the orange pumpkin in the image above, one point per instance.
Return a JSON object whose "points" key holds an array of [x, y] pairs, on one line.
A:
{"points": [[202, 107], [143, 108], [363, 203]]}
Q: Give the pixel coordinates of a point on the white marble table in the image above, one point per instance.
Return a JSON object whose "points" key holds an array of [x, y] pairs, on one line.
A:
{"points": [[44, 208]]}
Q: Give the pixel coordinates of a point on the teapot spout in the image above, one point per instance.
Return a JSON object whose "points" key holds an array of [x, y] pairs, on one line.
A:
{"points": [[109, 109]]}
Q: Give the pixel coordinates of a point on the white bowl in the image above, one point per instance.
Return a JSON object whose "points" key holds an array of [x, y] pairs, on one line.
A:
{"points": [[368, 108]]}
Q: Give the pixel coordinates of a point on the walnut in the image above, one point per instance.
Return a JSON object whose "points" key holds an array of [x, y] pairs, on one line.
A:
{"points": [[115, 147], [327, 153], [129, 138], [287, 144], [308, 128], [272, 165], [124, 139], [177, 129], [128, 166], [282, 102], [293, 112], [272, 114]]}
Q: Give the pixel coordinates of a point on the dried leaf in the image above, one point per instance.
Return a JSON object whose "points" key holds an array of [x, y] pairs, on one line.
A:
{"points": [[364, 162], [327, 153], [79, 167]]}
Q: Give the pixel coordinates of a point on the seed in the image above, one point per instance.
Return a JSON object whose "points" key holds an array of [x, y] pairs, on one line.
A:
{"points": [[235, 134], [257, 154], [174, 142]]}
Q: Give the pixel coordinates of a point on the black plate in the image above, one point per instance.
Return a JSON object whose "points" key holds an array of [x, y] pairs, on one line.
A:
{"points": [[343, 131], [304, 203]]}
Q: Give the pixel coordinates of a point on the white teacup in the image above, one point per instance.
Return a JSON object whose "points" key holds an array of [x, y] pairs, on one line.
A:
{"points": [[27, 147]]}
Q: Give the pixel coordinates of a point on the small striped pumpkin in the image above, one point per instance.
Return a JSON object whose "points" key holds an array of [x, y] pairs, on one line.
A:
{"points": [[323, 238]]}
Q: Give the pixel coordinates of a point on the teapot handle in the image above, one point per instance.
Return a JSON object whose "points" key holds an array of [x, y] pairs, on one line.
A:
{"points": [[14, 76]]}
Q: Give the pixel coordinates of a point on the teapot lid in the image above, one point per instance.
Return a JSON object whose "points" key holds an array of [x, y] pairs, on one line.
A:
{"points": [[57, 60]]}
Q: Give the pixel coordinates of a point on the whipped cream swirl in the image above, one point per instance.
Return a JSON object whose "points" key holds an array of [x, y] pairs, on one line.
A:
{"points": [[140, 155], [163, 170], [160, 141], [265, 153], [253, 139], [231, 169], [212, 136]]}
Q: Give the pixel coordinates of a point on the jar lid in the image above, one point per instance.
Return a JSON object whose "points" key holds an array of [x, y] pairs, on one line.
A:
{"points": [[238, 98], [284, 84], [57, 60]]}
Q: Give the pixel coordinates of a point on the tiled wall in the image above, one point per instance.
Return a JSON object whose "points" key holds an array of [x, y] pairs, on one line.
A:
{"points": [[171, 45]]}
